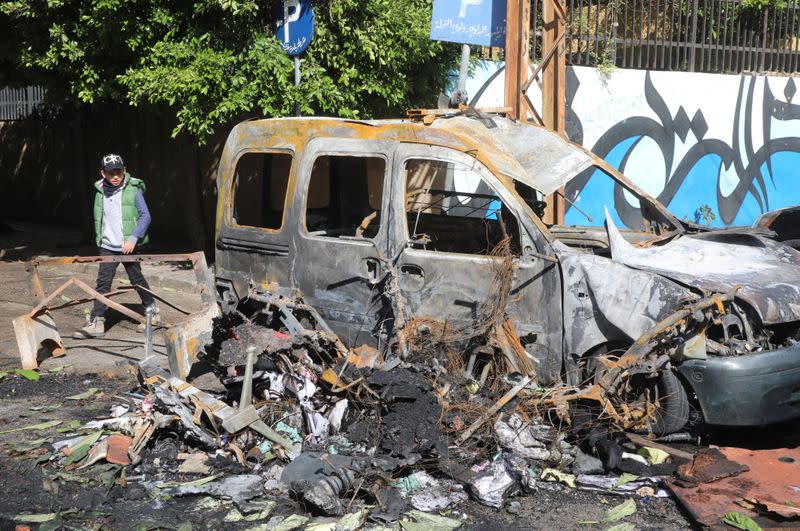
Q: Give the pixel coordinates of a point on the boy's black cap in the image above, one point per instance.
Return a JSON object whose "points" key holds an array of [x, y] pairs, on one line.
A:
{"points": [[112, 161]]}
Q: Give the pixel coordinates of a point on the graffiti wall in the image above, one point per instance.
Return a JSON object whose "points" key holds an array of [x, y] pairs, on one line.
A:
{"points": [[716, 149]]}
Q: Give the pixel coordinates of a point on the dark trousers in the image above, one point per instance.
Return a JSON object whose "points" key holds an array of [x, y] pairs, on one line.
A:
{"points": [[105, 275]]}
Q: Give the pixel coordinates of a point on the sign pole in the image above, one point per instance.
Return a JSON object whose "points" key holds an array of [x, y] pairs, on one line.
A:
{"points": [[296, 82], [464, 69], [294, 28], [476, 22]]}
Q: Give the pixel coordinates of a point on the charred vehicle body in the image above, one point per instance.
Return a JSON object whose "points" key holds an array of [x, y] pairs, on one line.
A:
{"points": [[398, 231]]}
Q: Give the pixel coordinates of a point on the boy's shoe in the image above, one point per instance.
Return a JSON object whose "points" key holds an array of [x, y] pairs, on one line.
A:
{"points": [[95, 327], [156, 319]]}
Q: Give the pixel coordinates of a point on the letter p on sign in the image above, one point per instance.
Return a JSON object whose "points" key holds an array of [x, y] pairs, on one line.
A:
{"points": [[291, 13], [464, 4]]}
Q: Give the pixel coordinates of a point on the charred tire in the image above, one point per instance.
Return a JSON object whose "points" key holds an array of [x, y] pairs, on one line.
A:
{"points": [[674, 411]]}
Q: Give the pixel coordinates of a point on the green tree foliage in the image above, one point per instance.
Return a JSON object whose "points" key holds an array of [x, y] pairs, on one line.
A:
{"points": [[215, 60]]}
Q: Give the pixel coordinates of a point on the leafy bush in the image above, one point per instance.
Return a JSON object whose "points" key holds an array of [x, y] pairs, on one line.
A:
{"points": [[214, 60]]}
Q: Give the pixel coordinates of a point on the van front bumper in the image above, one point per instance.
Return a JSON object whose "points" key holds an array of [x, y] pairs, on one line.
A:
{"points": [[748, 390]]}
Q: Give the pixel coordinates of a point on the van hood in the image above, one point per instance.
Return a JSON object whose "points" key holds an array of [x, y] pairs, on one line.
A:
{"points": [[767, 272], [534, 155]]}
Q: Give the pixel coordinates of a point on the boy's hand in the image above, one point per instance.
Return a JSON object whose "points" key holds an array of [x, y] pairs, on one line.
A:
{"points": [[128, 247]]}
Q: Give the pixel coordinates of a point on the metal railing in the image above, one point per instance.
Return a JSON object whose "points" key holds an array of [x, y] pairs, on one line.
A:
{"points": [[721, 36], [16, 104]]}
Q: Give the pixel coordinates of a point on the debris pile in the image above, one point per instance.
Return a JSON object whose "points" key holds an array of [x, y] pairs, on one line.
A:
{"points": [[277, 406]]}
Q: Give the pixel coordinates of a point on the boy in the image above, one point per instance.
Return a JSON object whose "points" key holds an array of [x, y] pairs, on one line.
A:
{"points": [[121, 220]]}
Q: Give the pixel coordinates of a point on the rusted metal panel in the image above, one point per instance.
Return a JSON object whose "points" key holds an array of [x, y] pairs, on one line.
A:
{"points": [[773, 480]]}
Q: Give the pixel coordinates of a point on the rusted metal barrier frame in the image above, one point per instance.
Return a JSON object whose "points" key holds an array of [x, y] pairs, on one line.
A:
{"points": [[198, 260], [183, 340]]}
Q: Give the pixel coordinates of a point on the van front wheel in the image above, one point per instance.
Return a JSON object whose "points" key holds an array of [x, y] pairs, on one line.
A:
{"points": [[665, 399]]}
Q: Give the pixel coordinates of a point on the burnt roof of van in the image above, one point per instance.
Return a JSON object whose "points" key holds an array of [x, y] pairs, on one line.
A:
{"points": [[524, 152], [533, 155]]}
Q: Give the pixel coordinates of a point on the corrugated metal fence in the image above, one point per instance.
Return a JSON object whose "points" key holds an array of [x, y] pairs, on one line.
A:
{"points": [[16, 104], [717, 36], [723, 36]]}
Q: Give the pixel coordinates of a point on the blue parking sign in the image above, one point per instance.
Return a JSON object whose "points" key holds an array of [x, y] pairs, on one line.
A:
{"points": [[481, 22], [294, 25]]}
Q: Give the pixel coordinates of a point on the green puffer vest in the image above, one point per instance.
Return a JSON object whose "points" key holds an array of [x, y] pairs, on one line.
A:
{"points": [[130, 215]]}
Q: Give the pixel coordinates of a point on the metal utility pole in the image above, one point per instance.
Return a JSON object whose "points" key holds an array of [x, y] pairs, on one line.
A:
{"points": [[552, 67]]}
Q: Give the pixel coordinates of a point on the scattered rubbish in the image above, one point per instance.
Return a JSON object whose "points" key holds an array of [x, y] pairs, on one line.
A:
{"points": [[238, 488], [656, 456], [298, 414], [586, 464], [520, 438], [194, 464], [647, 443], [80, 450], [608, 484], [551, 474], [493, 483], [623, 479]]}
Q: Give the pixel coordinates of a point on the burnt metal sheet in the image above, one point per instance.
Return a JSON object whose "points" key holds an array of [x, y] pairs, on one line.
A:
{"points": [[773, 479], [536, 156], [708, 465], [768, 272]]}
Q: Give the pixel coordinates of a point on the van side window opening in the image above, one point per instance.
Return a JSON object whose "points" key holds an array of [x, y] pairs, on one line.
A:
{"points": [[344, 196], [450, 208], [259, 193]]}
